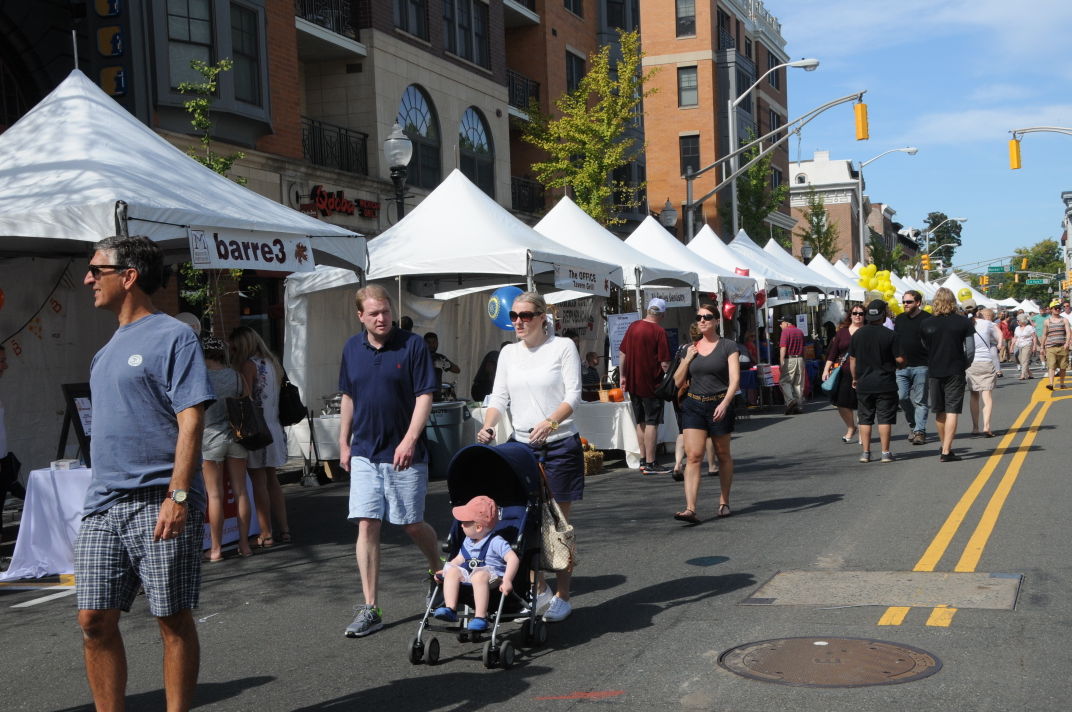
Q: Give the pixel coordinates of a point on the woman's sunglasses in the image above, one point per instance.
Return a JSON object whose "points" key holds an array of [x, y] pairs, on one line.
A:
{"points": [[524, 316], [857, 313], [705, 317]]}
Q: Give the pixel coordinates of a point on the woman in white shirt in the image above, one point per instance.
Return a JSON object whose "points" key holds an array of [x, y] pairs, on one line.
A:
{"points": [[983, 373], [1025, 342], [538, 379]]}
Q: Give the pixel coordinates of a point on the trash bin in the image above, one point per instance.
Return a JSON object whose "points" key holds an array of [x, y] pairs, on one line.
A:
{"points": [[443, 435]]}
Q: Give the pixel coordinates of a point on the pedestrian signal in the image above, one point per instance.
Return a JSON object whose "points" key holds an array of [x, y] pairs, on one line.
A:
{"points": [[1014, 154], [861, 121]]}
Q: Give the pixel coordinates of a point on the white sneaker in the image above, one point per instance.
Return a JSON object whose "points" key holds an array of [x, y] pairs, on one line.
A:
{"points": [[543, 602], [559, 610]]}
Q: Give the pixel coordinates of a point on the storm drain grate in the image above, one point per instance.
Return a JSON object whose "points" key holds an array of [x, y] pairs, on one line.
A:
{"points": [[829, 662]]}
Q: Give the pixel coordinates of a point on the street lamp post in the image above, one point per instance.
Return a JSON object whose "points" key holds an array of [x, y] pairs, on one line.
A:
{"points": [[398, 150], [927, 249], [806, 253], [808, 65], [668, 217], [911, 151]]}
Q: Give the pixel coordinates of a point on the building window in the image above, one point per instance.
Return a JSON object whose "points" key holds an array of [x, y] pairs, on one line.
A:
{"points": [[417, 118], [574, 71], [686, 18], [247, 72], [689, 149], [801, 179], [774, 78], [776, 178], [465, 26], [576, 7], [13, 102], [189, 38], [687, 94], [748, 48], [412, 16], [616, 14], [775, 120], [725, 33], [476, 152]]}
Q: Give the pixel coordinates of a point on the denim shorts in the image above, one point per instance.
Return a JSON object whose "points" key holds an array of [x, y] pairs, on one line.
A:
{"points": [[217, 447], [115, 555], [563, 464], [699, 415], [379, 491]]}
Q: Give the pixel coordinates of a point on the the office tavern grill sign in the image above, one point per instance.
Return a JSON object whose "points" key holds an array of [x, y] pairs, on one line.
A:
{"points": [[234, 250]]}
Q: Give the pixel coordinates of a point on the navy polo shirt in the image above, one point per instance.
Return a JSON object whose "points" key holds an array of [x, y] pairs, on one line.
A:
{"points": [[384, 385]]}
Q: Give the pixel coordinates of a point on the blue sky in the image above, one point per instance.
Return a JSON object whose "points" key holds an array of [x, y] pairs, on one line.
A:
{"points": [[950, 77]]}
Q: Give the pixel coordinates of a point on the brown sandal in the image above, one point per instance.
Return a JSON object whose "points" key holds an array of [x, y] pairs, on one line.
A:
{"points": [[724, 511], [687, 515]]}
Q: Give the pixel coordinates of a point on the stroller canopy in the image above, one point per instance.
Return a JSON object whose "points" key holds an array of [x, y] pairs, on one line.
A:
{"points": [[507, 473]]}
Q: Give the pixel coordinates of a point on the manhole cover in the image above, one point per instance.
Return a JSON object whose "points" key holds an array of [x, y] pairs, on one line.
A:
{"points": [[829, 662]]}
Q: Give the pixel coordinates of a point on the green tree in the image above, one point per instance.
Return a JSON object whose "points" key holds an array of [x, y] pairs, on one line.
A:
{"points": [[202, 288], [821, 234], [884, 258], [587, 141], [757, 198], [947, 234]]}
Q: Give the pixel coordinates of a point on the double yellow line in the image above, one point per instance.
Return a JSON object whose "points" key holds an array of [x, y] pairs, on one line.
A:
{"points": [[942, 616]]}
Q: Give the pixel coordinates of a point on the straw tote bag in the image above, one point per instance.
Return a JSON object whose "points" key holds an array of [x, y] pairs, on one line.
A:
{"points": [[559, 547]]}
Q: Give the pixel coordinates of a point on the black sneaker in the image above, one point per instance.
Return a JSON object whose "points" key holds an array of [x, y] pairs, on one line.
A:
{"points": [[656, 469], [948, 457], [644, 467]]}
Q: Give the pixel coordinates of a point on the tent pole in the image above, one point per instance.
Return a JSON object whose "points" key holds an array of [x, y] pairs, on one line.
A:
{"points": [[400, 312]]}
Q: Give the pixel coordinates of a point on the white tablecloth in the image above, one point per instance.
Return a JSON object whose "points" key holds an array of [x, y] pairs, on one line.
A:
{"points": [[327, 438], [51, 517], [607, 426]]}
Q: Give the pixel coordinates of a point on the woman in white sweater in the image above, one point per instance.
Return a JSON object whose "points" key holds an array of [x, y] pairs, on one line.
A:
{"points": [[539, 381]]}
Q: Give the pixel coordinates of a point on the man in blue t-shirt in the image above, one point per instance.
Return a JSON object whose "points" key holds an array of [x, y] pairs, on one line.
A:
{"points": [[143, 514], [387, 381]]}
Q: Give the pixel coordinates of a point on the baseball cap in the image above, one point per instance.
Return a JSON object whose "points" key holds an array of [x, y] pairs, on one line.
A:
{"points": [[657, 304], [876, 308], [969, 305], [787, 318], [481, 510], [1055, 303]]}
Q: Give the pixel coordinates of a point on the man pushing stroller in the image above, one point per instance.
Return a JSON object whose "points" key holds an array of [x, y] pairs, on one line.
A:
{"points": [[484, 560]]}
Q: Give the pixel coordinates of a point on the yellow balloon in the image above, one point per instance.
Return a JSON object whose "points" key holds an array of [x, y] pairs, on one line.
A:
{"points": [[964, 294], [928, 308], [862, 281], [872, 283]]}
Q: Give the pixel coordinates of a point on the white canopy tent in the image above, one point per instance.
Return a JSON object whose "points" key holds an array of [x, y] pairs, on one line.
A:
{"points": [[79, 167], [1030, 307], [799, 269], [955, 283], [568, 225], [1009, 303], [708, 245], [651, 238], [846, 270], [459, 237], [823, 267]]}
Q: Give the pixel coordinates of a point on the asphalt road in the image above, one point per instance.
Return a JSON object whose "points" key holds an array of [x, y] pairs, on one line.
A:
{"points": [[656, 602]]}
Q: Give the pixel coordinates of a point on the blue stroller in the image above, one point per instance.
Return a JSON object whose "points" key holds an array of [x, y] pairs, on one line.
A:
{"points": [[510, 475]]}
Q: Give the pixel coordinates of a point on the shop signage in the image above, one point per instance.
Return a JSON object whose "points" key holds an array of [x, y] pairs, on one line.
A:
{"points": [[236, 250], [673, 296], [325, 203], [616, 326], [576, 314], [783, 292], [580, 279]]}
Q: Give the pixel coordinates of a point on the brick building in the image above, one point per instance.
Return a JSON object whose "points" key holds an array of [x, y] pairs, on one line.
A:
{"points": [[836, 182], [706, 54]]}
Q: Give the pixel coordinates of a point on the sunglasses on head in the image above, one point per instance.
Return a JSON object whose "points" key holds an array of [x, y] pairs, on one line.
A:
{"points": [[96, 270], [524, 316], [705, 317]]}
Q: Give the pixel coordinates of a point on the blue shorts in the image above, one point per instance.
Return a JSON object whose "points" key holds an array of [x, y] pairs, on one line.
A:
{"points": [[563, 464], [698, 415], [378, 491], [115, 555]]}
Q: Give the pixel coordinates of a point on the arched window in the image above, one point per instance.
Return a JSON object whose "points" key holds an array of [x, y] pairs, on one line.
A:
{"points": [[417, 118], [801, 179], [476, 151]]}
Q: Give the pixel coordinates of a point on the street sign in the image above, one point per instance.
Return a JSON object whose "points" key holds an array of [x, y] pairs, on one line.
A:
{"points": [[1037, 281], [996, 268]]}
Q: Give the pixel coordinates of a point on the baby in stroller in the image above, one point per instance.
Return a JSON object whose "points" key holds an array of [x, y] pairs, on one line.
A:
{"points": [[484, 560]]}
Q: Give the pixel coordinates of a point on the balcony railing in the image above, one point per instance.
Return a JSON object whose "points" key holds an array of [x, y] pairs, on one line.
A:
{"points": [[521, 89], [725, 40], [334, 146], [334, 15], [526, 195], [528, 4]]}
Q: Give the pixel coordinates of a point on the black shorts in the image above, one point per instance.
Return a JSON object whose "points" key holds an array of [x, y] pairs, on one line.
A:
{"points": [[699, 415], [946, 394], [877, 406], [647, 411]]}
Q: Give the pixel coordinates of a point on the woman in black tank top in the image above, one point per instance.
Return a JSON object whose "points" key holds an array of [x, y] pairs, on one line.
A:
{"points": [[712, 368]]}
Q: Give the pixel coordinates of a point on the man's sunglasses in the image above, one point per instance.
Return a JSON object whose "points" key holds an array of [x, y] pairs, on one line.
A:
{"points": [[705, 317], [909, 301], [95, 270], [524, 316]]}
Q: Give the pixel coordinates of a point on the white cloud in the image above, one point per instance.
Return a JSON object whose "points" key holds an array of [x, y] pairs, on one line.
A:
{"points": [[1000, 93], [982, 125]]}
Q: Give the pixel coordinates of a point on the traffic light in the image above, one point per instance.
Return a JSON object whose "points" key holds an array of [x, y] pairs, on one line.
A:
{"points": [[984, 280], [925, 262], [860, 110], [1023, 263], [1016, 278], [1014, 154]]}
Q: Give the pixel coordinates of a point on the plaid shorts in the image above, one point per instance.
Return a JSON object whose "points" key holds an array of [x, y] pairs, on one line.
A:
{"points": [[115, 554]]}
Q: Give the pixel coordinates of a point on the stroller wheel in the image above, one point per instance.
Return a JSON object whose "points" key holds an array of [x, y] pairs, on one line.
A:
{"points": [[535, 632], [463, 637], [491, 656], [432, 654], [416, 651], [506, 655]]}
